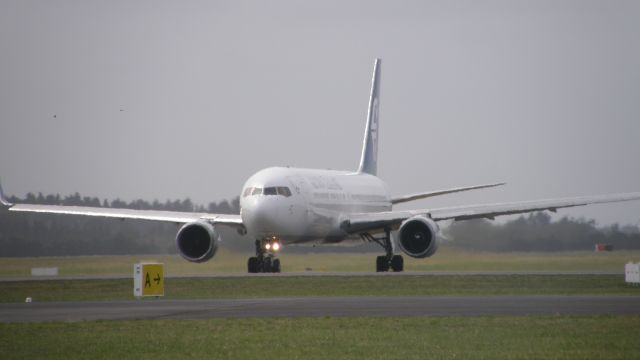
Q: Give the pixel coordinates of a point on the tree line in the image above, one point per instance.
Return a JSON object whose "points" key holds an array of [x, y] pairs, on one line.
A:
{"points": [[25, 234], [537, 232], [28, 234], [186, 205]]}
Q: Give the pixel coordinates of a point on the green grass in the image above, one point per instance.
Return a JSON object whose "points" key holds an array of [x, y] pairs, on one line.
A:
{"points": [[598, 337], [267, 287], [446, 259], [601, 337]]}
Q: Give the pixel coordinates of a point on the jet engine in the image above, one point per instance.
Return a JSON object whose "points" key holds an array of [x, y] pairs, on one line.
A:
{"points": [[417, 237], [197, 241]]}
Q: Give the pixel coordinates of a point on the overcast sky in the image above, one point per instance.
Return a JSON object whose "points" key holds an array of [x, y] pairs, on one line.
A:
{"points": [[157, 99]]}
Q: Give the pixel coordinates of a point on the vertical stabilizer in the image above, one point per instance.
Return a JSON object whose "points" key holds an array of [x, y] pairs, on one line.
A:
{"points": [[369, 158]]}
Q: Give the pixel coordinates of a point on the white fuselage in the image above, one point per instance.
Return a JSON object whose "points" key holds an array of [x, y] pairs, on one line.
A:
{"points": [[302, 205]]}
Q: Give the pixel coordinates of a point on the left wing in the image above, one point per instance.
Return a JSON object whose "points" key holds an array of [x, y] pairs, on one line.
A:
{"points": [[153, 215], [354, 223]]}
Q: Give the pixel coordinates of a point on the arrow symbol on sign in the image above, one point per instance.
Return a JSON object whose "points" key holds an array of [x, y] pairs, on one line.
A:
{"points": [[157, 279]]}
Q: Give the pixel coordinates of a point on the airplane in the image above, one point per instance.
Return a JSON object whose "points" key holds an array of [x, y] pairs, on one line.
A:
{"points": [[283, 205]]}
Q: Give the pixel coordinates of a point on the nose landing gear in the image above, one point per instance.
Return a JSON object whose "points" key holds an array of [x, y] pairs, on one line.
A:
{"points": [[265, 260], [389, 261]]}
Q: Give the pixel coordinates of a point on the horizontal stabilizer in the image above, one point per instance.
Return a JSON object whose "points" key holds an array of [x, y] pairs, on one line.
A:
{"points": [[411, 197]]}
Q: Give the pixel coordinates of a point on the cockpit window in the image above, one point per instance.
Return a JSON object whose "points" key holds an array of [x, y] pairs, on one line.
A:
{"points": [[271, 190], [284, 191]]}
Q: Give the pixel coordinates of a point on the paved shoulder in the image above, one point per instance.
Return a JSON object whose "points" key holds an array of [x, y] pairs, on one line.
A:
{"points": [[322, 306]]}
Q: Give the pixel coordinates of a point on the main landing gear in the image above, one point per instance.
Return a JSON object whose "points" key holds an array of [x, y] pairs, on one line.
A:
{"points": [[265, 260], [389, 261]]}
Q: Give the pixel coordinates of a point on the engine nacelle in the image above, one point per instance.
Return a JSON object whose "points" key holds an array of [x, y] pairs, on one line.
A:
{"points": [[197, 241], [417, 237]]}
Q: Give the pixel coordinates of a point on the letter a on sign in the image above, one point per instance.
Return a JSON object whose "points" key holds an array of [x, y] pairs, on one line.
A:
{"points": [[153, 279], [148, 279]]}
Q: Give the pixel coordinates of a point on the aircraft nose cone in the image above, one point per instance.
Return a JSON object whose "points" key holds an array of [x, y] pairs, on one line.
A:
{"points": [[260, 216]]}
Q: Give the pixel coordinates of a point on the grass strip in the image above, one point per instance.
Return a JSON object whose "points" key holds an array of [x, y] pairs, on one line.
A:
{"points": [[225, 261], [597, 337], [266, 287]]}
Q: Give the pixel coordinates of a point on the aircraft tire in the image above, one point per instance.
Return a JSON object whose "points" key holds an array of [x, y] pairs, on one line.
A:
{"points": [[253, 265], [397, 263], [382, 265], [266, 265], [275, 266]]}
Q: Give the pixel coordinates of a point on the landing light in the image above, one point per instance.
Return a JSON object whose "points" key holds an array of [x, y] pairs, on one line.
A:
{"points": [[276, 246], [267, 246]]}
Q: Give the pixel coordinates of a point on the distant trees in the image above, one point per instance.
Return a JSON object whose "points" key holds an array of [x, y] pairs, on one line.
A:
{"points": [[223, 207], [24, 234], [536, 232]]}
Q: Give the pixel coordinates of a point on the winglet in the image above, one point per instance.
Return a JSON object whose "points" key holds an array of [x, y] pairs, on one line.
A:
{"points": [[369, 157], [3, 199]]}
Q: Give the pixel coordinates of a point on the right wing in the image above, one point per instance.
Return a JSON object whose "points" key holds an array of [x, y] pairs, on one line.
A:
{"points": [[153, 215], [411, 197], [359, 222], [489, 211]]}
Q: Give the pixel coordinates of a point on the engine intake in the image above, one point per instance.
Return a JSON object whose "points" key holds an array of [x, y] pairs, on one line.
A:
{"points": [[417, 237], [197, 241]]}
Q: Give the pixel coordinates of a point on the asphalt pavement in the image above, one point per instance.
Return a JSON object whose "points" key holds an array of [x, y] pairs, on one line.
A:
{"points": [[400, 306]]}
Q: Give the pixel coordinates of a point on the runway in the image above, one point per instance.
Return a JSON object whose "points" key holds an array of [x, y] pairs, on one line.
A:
{"points": [[419, 306], [320, 274]]}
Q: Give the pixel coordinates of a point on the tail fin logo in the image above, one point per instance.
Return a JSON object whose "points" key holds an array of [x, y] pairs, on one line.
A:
{"points": [[369, 158], [374, 128]]}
